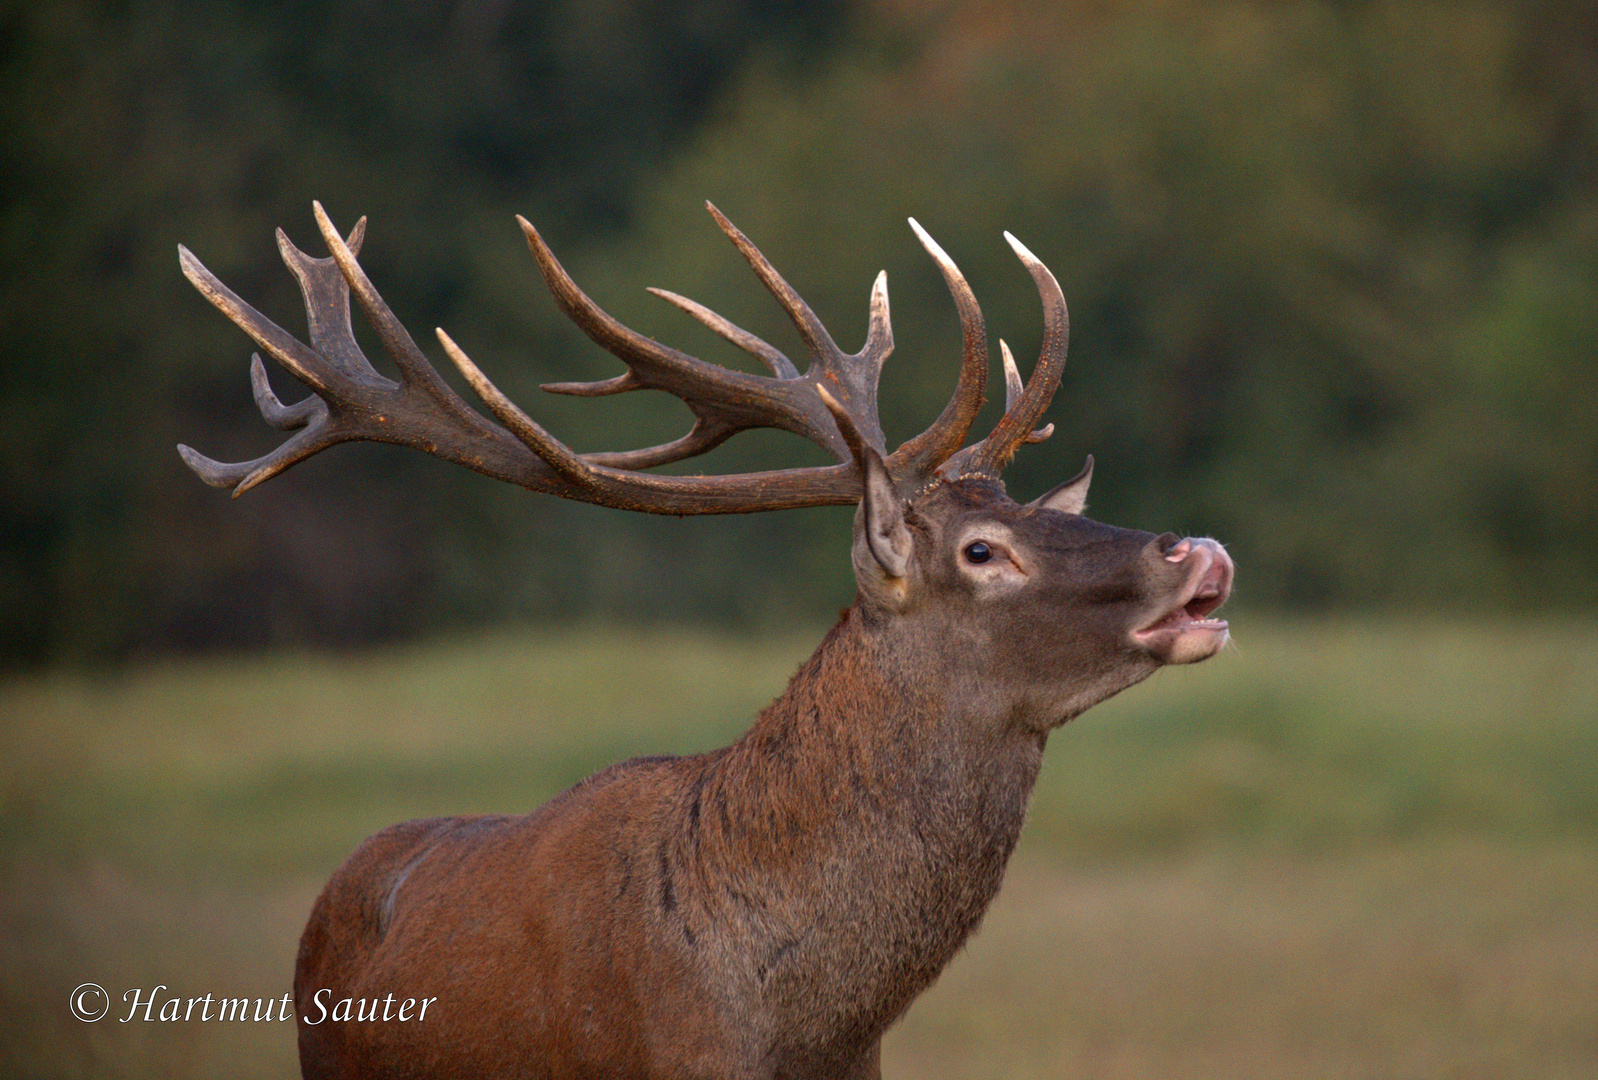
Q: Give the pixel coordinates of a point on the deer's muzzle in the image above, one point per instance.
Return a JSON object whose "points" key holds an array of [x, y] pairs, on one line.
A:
{"points": [[1183, 631]]}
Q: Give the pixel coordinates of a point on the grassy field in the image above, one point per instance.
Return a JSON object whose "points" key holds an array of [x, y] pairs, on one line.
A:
{"points": [[1339, 850]]}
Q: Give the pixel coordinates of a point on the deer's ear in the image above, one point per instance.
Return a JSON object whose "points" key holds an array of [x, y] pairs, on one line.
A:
{"points": [[882, 512], [1070, 497]]}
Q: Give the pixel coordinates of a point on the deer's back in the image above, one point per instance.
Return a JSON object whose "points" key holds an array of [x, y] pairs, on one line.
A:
{"points": [[562, 973]]}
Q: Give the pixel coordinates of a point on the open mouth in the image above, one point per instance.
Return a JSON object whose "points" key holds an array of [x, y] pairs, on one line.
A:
{"points": [[1186, 632]]}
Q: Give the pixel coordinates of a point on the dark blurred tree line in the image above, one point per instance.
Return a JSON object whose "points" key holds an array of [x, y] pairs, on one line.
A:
{"points": [[1333, 269]]}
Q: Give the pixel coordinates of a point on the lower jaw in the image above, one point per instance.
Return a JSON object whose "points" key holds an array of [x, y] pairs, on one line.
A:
{"points": [[1186, 644]]}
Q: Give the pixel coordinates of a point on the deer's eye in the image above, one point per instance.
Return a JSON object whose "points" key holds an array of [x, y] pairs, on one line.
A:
{"points": [[978, 552]]}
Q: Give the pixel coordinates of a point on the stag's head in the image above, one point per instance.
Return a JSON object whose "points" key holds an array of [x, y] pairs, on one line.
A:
{"points": [[1048, 609]]}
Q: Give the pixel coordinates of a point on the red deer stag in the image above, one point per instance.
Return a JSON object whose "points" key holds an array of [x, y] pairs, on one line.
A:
{"points": [[769, 909]]}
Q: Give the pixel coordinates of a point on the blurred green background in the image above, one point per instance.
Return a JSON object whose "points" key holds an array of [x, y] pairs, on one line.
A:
{"points": [[1333, 273], [1332, 267], [1343, 849]]}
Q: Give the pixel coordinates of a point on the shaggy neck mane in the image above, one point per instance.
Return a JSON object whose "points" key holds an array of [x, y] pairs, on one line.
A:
{"points": [[851, 841]]}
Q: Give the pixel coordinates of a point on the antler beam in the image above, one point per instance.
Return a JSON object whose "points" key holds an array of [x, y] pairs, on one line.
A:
{"points": [[350, 400]]}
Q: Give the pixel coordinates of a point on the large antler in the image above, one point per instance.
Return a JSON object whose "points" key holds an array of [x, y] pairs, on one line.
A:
{"points": [[833, 403]]}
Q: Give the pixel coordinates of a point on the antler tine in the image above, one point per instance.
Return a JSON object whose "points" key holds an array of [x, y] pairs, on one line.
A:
{"points": [[1013, 389], [723, 400], [576, 468], [879, 330], [853, 376], [815, 336], [528, 431], [308, 365], [823, 350], [851, 432], [414, 367], [633, 348], [244, 475], [921, 455], [311, 415], [279, 344], [1023, 409], [770, 355], [274, 412]]}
